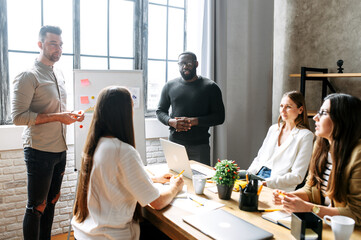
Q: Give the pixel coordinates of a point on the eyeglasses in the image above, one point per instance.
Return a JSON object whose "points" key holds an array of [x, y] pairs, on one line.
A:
{"points": [[322, 113], [188, 64]]}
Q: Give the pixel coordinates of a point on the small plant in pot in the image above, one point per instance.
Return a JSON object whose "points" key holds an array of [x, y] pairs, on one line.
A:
{"points": [[225, 177]]}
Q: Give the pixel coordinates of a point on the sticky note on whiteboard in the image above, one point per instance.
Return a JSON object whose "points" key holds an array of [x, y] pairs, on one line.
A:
{"points": [[84, 82], [84, 100]]}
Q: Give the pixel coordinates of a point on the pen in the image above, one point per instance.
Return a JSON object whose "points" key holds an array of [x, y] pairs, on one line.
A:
{"points": [[150, 172], [269, 210], [201, 204], [179, 174], [282, 194], [260, 189]]}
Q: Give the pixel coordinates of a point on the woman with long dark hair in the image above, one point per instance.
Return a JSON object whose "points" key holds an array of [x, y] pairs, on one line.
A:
{"points": [[112, 179], [286, 151], [334, 182]]}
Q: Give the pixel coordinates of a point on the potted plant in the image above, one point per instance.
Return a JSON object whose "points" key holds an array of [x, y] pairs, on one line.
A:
{"points": [[225, 177]]}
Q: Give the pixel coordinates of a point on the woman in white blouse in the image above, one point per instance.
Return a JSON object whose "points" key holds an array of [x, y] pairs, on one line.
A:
{"points": [[112, 181], [286, 151]]}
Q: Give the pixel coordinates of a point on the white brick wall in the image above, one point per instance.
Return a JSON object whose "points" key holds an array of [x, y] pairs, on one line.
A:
{"points": [[13, 192]]}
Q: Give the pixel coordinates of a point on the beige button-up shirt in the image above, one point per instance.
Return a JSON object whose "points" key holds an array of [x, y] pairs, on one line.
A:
{"points": [[40, 90]]}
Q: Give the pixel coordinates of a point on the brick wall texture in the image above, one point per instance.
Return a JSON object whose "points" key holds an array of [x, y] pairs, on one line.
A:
{"points": [[13, 191]]}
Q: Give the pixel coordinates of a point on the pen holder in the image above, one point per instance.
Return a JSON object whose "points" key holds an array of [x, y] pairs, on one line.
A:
{"points": [[248, 199]]}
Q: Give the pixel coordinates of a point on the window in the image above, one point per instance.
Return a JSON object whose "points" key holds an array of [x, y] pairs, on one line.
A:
{"points": [[166, 40], [101, 35]]}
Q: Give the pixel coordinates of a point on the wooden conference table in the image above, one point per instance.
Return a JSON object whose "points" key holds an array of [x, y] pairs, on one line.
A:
{"points": [[169, 220]]}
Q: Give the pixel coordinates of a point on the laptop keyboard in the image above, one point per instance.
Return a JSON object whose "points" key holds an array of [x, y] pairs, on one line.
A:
{"points": [[195, 172]]}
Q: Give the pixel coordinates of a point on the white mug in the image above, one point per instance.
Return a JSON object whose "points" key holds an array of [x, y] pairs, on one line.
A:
{"points": [[342, 226], [199, 181]]}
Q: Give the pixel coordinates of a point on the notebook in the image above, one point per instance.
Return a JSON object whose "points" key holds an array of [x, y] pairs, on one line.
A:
{"points": [[177, 160], [219, 224], [280, 217]]}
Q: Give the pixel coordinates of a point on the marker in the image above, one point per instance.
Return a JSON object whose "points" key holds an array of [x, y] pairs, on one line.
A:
{"points": [[269, 210], [260, 189], [179, 174], [196, 201], [247, 178], [282, 194]]}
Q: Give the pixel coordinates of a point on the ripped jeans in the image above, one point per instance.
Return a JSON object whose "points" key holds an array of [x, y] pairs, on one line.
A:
{"points": [[45, 174]]}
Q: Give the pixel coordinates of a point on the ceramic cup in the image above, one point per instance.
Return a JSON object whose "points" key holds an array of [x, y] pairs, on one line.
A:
{"points": [[199, 181], [342, 226]]}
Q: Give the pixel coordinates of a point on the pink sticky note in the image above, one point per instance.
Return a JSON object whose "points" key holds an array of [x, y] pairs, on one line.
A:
{"points": [[85, 82], [84, 100]]}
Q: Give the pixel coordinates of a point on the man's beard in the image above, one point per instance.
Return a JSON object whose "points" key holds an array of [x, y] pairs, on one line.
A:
{"points": [[53, 57], [192, 73]]}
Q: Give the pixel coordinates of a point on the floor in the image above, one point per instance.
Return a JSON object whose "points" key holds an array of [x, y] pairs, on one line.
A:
{"points": [[63, 236]]}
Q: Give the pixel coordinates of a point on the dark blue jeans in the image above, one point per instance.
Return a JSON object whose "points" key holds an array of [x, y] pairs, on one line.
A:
{"points": [[199, 153], [45, 174]]}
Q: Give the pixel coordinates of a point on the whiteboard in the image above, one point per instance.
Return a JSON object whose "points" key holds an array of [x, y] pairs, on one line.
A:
{"points": [[88, 84]]}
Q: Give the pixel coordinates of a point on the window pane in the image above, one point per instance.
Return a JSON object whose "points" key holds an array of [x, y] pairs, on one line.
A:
{"points": [[158, 1], [93, 25], [176, 3], [65, 64], [156, 80], [60, 13], [176, 33], [157, 17], [19, 62], [93, 63], [121, 64], [24, 22], [121, 28], [173, 70]]}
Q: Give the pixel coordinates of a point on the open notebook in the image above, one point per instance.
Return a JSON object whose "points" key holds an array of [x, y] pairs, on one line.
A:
{"points": [[280, 217]]}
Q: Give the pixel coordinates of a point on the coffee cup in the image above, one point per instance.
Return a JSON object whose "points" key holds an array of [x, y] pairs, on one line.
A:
{"points": [[342, 226], [199, 181]]}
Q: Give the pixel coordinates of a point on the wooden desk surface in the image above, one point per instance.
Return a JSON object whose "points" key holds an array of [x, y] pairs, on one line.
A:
{"points": [[169, 220], [330, 75]]}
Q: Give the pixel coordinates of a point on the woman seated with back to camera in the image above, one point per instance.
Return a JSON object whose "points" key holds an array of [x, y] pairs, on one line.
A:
{"points": [[112, 179], [286, 151], [333, 184]]}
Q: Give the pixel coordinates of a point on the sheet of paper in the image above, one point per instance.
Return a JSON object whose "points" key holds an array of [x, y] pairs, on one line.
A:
{"points": [[135, 96], [163, 187], [213, 189], [197, 205]]}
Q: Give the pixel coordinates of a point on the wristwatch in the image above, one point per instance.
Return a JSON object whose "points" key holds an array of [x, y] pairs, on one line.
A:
{"points": [[315, 209]]}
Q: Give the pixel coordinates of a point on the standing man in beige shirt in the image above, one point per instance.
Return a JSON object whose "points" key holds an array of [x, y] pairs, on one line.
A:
{"points": [[40, 103]]}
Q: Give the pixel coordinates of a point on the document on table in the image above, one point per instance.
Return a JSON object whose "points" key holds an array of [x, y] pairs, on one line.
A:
{"points": [[164, 187], [195, 204]]}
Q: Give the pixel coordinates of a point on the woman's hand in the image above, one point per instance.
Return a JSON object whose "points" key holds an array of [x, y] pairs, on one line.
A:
{"points": [[162, 179], [177, 182], [277, 196], [292, 203]]}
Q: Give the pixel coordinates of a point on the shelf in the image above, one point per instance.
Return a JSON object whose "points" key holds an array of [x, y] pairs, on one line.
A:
{"points": [[329, 75], [311, 114]]}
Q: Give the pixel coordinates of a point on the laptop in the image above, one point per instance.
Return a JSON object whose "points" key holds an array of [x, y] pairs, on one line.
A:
{"points": [[219, 224], [177, 160]]}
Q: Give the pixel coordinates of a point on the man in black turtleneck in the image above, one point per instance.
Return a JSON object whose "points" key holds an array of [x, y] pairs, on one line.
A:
{"points": [[196, 105]]}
